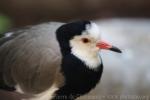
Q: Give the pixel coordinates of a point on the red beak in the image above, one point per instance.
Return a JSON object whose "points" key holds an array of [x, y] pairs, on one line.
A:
{"points": [[107, 46]]}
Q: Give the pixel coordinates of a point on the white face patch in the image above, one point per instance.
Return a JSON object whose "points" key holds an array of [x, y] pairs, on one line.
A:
{"points": [[84, 46], [91, 60]]}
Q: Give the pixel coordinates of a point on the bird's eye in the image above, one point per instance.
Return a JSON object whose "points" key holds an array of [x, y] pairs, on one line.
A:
{"points": [[85, 40]]}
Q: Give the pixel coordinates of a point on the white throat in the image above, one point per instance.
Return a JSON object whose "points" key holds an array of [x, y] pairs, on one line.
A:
{"points": [[92, 61]]}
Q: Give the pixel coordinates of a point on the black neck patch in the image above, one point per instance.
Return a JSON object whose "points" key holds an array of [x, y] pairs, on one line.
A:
{"points": [[79, 79]]}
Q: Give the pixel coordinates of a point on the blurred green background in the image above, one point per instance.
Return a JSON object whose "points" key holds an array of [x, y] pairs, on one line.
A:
{"points": [[5, 24]]}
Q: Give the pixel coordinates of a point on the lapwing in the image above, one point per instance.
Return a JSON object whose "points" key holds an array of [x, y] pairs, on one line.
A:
{"points": [[52, 61]]}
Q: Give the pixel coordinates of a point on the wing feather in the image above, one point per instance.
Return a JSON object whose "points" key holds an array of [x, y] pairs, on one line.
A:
{"points": [[31, 57]]}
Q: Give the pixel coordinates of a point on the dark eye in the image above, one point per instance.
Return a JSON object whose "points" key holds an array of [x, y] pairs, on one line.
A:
{"points": [[85, 40]]}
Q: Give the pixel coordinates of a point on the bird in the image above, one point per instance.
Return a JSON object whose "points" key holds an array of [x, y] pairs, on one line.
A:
{"points": [[53, 60]]}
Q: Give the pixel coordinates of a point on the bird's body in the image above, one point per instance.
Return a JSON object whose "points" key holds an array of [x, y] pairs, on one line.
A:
{"points": [[49, 60]]}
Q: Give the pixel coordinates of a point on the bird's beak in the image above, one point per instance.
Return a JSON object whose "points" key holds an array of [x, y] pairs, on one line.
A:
{"points": [[104, 45]]}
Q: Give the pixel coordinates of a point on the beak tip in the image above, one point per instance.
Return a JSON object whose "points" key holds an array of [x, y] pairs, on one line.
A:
{"points": [[119, 51], [115, 49]]}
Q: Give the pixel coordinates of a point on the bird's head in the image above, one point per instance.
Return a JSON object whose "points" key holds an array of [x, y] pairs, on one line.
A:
{"points": [[83, 39]]}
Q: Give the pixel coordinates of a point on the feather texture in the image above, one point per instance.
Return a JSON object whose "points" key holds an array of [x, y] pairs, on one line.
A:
{"points": [[33, 52]]}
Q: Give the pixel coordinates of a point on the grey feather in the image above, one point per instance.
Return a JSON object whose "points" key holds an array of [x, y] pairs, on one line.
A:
{"points": [[31, 57]]}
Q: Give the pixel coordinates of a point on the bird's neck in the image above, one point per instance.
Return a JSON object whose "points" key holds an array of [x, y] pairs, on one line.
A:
{"points": [[79, 79]]}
